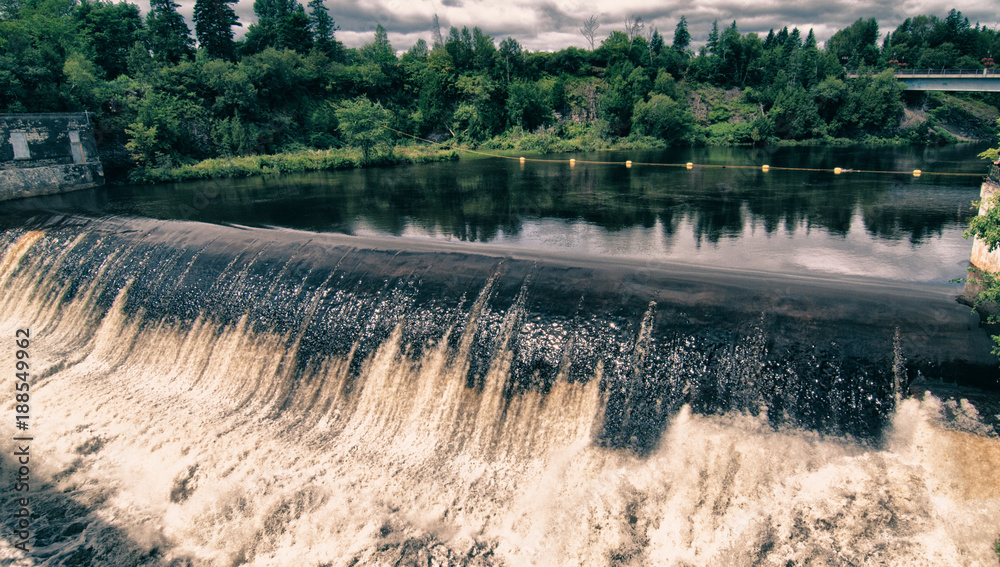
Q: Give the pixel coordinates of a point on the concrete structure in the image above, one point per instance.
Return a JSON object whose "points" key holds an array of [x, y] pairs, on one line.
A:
{"points": [[957, 80], [42, 154], [982, 258]]}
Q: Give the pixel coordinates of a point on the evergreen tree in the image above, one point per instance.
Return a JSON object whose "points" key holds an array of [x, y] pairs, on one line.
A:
{"points": [[459, 46], [655, 44], [794, 40], [781, 38], [682, 38], [264, 30], [419, 50], [379, 51], [169, 37], [856, 44], [293, 30], [790, 54], [713, 39], [323, 28], [511, 56], [809, 61], [213, 24], [281, 24], [729, 41], [483, 50], [770, 41]]}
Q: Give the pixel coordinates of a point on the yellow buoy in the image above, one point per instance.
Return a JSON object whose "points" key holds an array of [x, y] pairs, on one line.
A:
{"points": [[572, 162], [628, 163], [916, 173], [690, 165], [522, 160], [765, 168], [836, 171]]}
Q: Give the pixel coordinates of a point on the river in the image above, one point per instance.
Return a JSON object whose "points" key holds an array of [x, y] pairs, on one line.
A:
{"points": [[486, 362]]}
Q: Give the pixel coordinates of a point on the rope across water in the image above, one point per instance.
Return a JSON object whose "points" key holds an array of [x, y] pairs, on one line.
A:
{"points": [[690, 165]]}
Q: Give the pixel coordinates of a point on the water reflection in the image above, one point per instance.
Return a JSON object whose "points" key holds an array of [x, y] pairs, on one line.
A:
{"points": [[707, 215]]}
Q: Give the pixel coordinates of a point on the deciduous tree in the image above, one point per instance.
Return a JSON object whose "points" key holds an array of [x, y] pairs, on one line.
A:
{"points": [[662, 117], [363, 124], [589, 30], [112, 29]]}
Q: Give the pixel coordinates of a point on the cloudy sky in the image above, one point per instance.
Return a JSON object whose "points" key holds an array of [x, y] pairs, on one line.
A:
{"points": [[549, 25]]}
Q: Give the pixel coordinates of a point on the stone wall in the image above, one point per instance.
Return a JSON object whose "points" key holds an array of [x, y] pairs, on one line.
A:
{"points": [[981, 257], [42, 154]]}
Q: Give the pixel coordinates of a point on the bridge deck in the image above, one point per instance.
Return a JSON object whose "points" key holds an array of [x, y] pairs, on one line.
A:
{"points": [[966, 80]]}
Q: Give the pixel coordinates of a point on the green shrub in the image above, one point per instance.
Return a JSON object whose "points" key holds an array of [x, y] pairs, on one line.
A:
{"points": [[726, 134], [289, 162], [662, 117]]}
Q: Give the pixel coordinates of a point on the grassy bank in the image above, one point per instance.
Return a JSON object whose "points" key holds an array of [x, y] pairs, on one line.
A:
{"points": [[289, 162], [575, 138], [546, 141]]}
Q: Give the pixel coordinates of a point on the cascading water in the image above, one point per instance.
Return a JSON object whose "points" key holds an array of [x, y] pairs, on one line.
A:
{"points": [[225, 396]]}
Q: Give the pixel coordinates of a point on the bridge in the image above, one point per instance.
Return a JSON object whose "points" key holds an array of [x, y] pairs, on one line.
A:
{"points": [[965, 80]]}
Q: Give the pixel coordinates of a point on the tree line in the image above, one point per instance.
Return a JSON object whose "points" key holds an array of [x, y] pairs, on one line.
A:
{"points": [[166, 93]]}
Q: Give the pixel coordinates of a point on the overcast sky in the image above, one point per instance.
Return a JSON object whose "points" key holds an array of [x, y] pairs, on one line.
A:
{"points": [[550, 25]]}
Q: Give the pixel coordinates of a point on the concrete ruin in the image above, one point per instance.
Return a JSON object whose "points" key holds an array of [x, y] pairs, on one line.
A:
{"points": [[44, 154]]}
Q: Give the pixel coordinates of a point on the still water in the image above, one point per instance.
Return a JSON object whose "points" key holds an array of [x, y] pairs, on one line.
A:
{"points": [[891, 226]]}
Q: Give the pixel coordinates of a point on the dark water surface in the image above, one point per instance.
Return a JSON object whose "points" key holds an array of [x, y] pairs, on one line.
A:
{"points": [[887, 226]]}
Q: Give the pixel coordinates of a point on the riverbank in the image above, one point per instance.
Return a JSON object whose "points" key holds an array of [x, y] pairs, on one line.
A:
{"points": [[510, 144], [288, 162]]}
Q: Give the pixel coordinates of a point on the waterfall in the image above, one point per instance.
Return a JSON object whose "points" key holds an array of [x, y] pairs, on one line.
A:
{"points": [[223, 396]]}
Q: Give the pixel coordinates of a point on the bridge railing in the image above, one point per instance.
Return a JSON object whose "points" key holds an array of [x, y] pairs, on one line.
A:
{"points": [[951, 72], [971, 72]]}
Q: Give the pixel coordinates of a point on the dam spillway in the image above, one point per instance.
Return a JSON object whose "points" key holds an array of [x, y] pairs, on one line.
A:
{"points": [[218, 395]]}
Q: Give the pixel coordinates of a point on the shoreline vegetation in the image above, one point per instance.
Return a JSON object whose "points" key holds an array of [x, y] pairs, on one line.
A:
{"points": [[408, 153], [171, 102], [364, 137], [287, 162]]}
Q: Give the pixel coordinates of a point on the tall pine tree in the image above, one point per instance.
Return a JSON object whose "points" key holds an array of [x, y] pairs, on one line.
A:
{"points": [[379, 51], [809, 62], [323, 28], [712, 46], [213, 24], [169, 36], [682, 37]]}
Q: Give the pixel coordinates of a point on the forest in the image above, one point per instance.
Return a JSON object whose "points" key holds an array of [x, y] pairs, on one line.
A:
{"points": [[164, 93]]}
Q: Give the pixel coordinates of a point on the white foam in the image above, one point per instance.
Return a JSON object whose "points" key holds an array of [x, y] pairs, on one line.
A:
{"points": [[168, 435]]}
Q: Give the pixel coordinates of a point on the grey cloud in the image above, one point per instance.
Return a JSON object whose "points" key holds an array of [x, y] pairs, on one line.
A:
{"points": [[353, 17], [554, 21], [551, 17]]}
